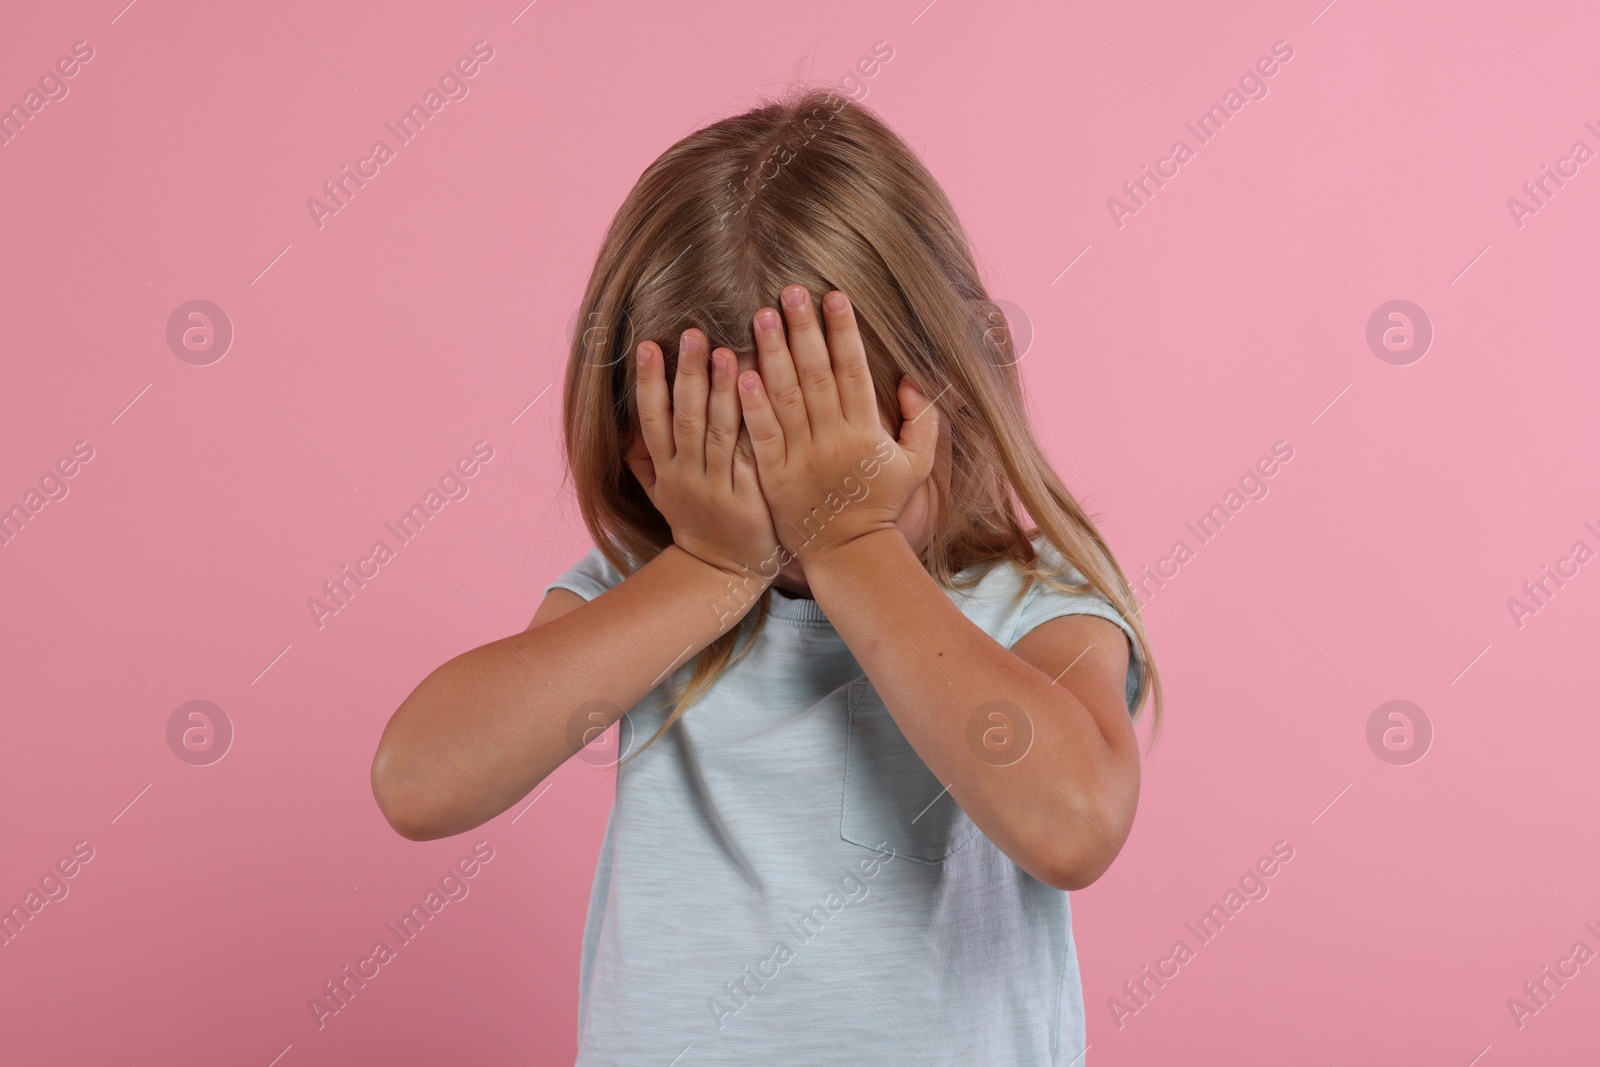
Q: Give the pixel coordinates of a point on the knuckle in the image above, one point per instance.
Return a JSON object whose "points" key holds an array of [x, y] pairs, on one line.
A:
{"points": [[786, 393], [855, 371], [818, 376], [685, 423]]}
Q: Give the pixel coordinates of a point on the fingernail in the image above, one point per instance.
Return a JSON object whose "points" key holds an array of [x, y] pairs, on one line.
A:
{"points": [[643, 354], [719, 362], [750, 382], [767, 319], [794, 297], [835, 301]]}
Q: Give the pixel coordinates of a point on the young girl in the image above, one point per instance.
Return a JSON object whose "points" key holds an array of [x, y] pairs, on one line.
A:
{"points": [[873, 665]]}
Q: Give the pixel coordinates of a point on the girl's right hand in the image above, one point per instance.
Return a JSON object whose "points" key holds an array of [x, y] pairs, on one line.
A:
{"points": [[694, 460]]}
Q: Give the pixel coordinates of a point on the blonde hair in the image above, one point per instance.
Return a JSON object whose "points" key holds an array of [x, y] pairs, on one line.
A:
{"points": [[816, 190]]}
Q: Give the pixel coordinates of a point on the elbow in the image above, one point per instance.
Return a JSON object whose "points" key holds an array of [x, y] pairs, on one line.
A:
{"points": [[397, 801], [1075, 858], [1076, 868]]}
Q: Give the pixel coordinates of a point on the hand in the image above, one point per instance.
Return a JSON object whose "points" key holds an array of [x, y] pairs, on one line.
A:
{"points": [[829, 470], [697, 466]]}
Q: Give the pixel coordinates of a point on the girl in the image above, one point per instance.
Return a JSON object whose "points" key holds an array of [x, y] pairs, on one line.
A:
{"points": [[907, 657]]}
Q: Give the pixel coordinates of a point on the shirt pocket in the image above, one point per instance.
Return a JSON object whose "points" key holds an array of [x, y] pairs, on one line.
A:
{"points": [[890, 796]]}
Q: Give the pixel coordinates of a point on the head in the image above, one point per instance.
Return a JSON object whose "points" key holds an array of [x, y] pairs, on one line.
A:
{"points": [[816, 190]]}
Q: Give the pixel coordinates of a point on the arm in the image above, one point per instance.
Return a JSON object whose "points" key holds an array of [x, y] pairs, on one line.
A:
{"points": [[488, 726], [1064, 809], [1061, 812], [485, 728]]}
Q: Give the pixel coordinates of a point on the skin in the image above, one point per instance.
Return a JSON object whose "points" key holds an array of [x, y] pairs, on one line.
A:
{"points": [[916, 518], [737, 458]]}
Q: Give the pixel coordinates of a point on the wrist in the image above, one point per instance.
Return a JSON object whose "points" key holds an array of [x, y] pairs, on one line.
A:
{"points": [[733, 565], [731, 589], [852, 549]]}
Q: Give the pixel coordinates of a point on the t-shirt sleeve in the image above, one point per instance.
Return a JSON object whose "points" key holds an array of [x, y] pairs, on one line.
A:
{"points": [[1042, 603], [589, 577]]}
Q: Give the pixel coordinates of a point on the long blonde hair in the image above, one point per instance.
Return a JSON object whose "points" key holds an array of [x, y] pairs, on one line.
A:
{"points": [[816, 190]]}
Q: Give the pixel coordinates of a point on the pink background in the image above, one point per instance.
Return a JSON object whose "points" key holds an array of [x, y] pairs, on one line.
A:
{"points": [[1229, 313]]}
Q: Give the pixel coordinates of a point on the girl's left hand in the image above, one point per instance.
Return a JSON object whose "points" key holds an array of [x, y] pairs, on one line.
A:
{"points": [[829, 470]]}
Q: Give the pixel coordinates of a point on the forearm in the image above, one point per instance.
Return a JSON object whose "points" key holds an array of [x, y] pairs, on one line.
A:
{"points": [[1061, 811], [486, 727]]}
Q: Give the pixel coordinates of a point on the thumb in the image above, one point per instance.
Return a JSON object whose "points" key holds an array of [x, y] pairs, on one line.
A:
{"points": [[919, 432]]}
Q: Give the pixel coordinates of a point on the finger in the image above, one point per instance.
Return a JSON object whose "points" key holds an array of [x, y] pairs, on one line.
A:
{"points": [[655, 408], [809, 349], [766, 433], [919, 433], [744, 463], [722, 427], [857, 400], [780, 388], [689, 389]]}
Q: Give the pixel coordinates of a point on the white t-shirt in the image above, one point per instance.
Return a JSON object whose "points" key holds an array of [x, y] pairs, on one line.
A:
{"points": [[784, 882]]}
